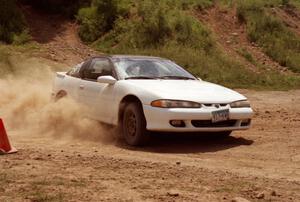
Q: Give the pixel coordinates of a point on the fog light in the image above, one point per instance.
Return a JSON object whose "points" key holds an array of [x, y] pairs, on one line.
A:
{"points": [[177, 123], [246, 122]]}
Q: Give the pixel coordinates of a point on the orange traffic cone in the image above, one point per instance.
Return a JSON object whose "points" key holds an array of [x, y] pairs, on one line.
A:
{"points": [[5, 147]]}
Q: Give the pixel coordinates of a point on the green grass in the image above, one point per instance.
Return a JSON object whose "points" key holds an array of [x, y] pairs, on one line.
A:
{"points": [[263, 28], [244, 53], [160, 29]]}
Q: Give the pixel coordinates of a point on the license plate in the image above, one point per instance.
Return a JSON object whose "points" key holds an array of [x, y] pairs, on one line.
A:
{"points": [[221, 115]]}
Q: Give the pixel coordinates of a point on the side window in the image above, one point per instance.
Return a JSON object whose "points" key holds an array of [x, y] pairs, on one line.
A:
{"points": [[99, 67], [75, 71]]}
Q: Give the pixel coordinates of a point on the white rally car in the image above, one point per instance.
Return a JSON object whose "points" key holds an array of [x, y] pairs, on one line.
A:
{"points": [[142, 94]]}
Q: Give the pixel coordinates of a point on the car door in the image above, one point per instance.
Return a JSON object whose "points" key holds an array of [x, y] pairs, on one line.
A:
{"points": [[72, 81], [97, 96]]}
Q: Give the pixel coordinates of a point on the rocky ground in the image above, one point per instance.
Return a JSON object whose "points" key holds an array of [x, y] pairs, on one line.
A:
{"points": [[262, 164]]}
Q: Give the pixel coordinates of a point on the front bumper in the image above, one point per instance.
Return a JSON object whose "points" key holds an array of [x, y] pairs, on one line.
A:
{"points": [[158, 119]]}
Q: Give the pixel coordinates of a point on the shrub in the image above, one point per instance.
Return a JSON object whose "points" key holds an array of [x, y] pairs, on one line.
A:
{"points": [[22, 38], [12, 22], [154, 26], [109, 11], [90, 25], [100, 17]]}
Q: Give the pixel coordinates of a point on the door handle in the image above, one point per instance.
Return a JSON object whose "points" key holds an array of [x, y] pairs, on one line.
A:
{"points": [[81, 87]]}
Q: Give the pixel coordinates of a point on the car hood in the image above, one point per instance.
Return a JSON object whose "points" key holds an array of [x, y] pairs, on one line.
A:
{"points": [[192, 90]]}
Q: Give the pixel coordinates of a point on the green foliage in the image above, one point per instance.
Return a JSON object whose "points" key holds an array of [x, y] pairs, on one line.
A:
{"points": [[90, 26], [12, 22], [109, 10], [243, 52], [156, 24], [270, 33], [154, 27], [162, 29], [22, 38], [100, 17], [215, 67], [285, 2], [159, 29]]}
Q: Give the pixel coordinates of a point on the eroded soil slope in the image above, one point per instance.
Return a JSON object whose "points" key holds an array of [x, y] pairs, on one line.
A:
{"points": [[231, 35], [58, 37]]}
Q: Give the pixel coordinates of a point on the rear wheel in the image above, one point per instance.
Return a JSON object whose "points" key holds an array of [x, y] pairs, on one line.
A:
{"points": [[134, 125]]}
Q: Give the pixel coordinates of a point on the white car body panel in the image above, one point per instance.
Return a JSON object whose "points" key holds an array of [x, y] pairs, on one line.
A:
{"points": [[103, 100], [191, 90], [158, 118], [98, 98]]}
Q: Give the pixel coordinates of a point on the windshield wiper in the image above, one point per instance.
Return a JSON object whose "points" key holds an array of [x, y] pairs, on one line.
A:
{"points": [[176, 77], [140, 77]]}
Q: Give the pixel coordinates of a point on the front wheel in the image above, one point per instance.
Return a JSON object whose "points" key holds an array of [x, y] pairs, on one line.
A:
{"points": [[134, 125]]}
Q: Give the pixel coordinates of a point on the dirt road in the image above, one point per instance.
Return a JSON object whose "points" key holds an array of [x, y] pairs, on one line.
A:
{"points": [[64, 158], [262, 164]]}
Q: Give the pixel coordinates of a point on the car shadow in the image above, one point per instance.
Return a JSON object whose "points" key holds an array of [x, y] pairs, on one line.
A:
{"points": [[188, 143]]}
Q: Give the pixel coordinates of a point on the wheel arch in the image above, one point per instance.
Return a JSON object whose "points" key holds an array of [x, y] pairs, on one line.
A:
{"points": [[60, 94], [128, 99]]}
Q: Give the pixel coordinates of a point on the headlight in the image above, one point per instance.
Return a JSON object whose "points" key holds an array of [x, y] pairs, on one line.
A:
{"points": [[175, 104], [240, 104]]}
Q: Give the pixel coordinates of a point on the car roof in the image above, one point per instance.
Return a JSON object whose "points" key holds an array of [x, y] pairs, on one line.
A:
{"points": [[129, 57]]}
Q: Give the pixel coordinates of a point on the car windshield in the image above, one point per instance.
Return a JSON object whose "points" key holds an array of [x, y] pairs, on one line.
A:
{"points": [[150, 69]]}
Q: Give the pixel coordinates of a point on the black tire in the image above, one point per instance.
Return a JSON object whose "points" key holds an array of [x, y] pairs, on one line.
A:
{"points": [[134, 125]]}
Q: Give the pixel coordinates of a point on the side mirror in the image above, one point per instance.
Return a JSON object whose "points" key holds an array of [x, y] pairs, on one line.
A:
{"points": [[106, 79]]}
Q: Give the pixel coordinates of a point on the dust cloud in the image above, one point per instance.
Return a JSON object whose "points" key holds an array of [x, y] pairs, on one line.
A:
{"points": [[26, 106]]}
